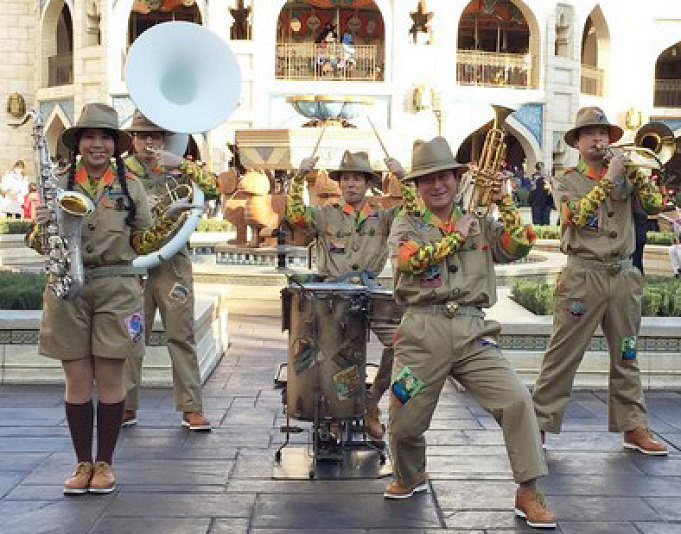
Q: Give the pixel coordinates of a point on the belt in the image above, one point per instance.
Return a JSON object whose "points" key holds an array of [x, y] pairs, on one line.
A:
{"points": [[450, 309], [113, 270], [612, 267]]}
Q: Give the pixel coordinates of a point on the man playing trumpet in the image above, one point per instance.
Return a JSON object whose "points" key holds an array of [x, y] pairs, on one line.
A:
{"points": [[599, 285], [170, 285]]}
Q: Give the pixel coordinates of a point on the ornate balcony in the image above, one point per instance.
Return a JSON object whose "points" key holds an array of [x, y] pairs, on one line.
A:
{"points": [[475, 67], [592, 81], [668, 93], [329, 61]]}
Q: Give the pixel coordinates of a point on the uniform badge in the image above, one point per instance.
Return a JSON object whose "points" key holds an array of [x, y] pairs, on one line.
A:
{"points": [[432, 277], [179, 293], [406, 385], [135, 326], [628, 353]]}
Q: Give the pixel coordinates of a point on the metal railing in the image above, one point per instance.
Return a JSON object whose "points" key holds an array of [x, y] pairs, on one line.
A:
{"points": [[60, 70], [323, 61], [591, 81], [475, 67], [668, 93]]}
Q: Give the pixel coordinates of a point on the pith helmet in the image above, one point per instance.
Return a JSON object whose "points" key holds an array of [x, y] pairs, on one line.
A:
{"points": [[355, 162], [101, 116], [592, 116], [141, 124], [431, 156]]}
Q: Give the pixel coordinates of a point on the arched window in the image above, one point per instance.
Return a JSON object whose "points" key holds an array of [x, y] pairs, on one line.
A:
{"points": [[330, 40], [595, 53], [140, 21], [58, 45], [668, 78]]}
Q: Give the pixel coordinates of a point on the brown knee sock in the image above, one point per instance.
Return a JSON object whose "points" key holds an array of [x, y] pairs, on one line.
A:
{"points": [[80, 419], [109, 419]]}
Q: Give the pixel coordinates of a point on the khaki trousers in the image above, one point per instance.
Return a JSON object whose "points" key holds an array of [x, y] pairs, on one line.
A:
{"points": [[385, 333], [586, 297], [170, 288], [435, 347]]}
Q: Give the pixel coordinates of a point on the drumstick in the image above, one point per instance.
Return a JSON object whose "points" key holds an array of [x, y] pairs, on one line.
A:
{"points": [[321, 134], [385, 151]]}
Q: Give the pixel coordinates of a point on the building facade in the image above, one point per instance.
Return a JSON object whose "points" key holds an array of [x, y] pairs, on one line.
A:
{"points": [[429, 66]]}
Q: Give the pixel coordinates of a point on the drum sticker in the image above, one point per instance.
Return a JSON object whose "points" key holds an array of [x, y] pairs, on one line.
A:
{"points": [[179, 293], [135, 326], [347, 382], [474, 228], [337, 246], [405, 386], [629, 350], [432, 277], [347, 356], [305, 356]]}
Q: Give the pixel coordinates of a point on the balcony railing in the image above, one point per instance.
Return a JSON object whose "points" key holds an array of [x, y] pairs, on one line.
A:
{"points": [[668, 93], [474, 67], [322, 61], [592, 81], [60, 70]]}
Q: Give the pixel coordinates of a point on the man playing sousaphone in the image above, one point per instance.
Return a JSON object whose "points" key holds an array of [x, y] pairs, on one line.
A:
{"points": [[351, 238], [170, 284]]}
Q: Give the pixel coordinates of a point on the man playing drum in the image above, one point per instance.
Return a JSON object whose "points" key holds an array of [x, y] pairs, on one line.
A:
{"points": [[351, 237], [444, 274], [170, 285]]}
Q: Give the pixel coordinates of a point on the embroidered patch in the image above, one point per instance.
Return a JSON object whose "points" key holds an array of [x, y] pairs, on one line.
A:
{"points": [[347, 382], [592, 222], [576, 309], [179, 293], [629, 349], [406, 385], [305, 356], [431, 277], [135, 326]]}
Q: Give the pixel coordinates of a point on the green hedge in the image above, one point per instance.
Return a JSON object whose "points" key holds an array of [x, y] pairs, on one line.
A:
{"points": [[654, 238], [661, 296], [21, 291], [14, 226]]}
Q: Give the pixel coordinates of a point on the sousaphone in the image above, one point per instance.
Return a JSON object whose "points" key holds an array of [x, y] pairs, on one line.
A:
{"points": [[186, 79]]}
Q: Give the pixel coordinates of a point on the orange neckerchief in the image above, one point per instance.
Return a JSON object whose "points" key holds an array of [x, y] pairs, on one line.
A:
{"points": [[590, 172], [447, 226], [93, 186], [361, 214]]}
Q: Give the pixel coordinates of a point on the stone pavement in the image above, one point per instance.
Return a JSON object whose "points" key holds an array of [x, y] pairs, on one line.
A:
{"points": [[175, 482]]}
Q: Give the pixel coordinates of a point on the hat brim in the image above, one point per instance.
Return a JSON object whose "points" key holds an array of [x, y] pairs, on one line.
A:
{"points": [[335, 175], [123, 142], [136, 129], [415, 175], [615, 133]]}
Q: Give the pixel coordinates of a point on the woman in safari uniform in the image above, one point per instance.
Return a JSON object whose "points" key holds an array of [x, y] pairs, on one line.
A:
{"points": [[92, 333]]}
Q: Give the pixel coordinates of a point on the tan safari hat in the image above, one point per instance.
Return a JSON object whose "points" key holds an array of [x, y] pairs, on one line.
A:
{"points": [[355, 162], [141, 124], [592, 116], [96, 115], [431, 156]]}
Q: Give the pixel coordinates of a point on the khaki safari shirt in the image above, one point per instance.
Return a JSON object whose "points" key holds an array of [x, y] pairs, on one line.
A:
{"points": [[434, 264], [597, 215]]}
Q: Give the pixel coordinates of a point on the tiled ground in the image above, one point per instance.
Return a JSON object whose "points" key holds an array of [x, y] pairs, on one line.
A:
{"points": [[174, 482]]}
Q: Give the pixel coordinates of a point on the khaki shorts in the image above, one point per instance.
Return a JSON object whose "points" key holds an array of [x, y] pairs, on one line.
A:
{"points": [[106, 321]]}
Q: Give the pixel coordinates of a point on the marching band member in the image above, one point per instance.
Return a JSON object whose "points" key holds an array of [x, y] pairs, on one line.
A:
{"points": [[599, 285], [351, 237], [170, 286], [443, 261], [95, 332]]}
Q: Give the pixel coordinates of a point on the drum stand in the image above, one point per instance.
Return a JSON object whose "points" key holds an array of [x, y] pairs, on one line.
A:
{"points": [[336, 449]]}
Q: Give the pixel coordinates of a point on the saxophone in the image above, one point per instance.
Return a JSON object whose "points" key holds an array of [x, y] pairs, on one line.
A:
{"points": [[61, 235]]}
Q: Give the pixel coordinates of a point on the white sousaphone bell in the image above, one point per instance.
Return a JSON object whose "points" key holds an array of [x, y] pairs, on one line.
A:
{"points": [[187, 80]]}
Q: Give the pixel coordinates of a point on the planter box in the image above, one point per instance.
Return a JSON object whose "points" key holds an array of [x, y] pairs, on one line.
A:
{"points": [[20, 362]]}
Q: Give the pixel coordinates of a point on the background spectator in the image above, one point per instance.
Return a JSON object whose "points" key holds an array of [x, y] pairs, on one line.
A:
{"points": [[14, 188], [540, 198]]}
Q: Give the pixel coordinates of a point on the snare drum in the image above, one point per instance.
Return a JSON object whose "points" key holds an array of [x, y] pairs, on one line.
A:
{"points": [[383, 308], [326, 351]]}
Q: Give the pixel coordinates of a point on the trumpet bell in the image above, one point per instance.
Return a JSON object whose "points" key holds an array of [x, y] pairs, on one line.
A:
{"points": [[183, 76]]}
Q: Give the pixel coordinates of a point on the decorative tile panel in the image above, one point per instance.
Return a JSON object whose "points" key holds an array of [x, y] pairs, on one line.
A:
{"points": [[66, 105], [532, 117]]}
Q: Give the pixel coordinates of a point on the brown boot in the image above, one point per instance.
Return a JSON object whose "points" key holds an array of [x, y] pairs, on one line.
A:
{"points": [[196, 421], [103, 480], [372, 423], [641, 440], [79, 482], [531, 506]]}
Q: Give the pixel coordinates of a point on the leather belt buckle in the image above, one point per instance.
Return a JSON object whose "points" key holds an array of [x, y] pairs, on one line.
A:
{"points": [[451, 307], [614, 268]]}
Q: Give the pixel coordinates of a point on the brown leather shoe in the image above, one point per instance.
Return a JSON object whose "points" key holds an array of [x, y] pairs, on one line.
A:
{"points": [[79, 482], [196, 421], [531, 506], [129, 418], [641, 440], [396, 490], [372, 423], [103, 480]]}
